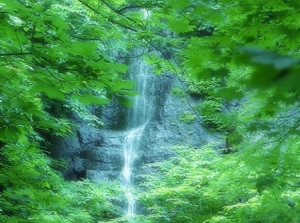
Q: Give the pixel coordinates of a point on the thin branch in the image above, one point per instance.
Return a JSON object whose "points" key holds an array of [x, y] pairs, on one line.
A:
{"points": [[117, 11], [130, 7], [85, 39], [15, 54], [281, 139], [88, 6], [42, 59], [179, 79], [132, 56], [57, 78], [124, 26], [21, 50], [109, 19]]}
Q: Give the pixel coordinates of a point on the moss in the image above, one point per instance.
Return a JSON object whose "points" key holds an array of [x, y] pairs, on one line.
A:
{"points": [[187, 117], [177, 92]]}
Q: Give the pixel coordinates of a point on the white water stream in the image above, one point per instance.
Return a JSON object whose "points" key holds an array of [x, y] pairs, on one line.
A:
{"points": [[138, 116], [130, 146]]}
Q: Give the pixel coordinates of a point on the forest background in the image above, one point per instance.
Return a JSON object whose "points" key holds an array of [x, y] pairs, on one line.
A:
{"points": [[241, 57]]}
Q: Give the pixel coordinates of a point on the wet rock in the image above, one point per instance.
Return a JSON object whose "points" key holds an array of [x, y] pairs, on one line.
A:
{"points": [[97, 153]]}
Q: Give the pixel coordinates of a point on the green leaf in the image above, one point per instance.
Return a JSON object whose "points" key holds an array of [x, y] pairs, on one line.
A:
{"points": [[229, 93], [263, 57], [128, 93], [9, 133], [122, 86], [83, 49], [179, 4], [180, 25], [89, 99], [120, 67], [51, 92], [124, 101]]}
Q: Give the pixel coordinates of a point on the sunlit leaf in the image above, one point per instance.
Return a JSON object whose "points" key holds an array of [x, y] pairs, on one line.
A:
{"points": [[88, 99]]}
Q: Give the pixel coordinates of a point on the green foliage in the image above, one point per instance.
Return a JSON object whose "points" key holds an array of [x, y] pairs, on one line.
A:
{"points": [[201, 186], [49, 53], [241, 60], [32, 192], [85, 114], [178, 92], [187, 117], [211, 110], [262, 31], [54, 61]]}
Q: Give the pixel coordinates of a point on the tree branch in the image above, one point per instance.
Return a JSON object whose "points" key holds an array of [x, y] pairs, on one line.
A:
{"points": [[14, 54], [179, 79], [43, 59], [124, 26], [130, 7], [117, 11], [109, 19], [85, 39]]}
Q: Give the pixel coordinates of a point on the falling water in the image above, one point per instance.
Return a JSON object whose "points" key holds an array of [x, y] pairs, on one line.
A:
{"points": [[130, 145], [138, 116]]}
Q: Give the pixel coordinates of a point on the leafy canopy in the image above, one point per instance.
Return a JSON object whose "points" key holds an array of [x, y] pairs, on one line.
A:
{"points": [[55, 56], [239, 58]]}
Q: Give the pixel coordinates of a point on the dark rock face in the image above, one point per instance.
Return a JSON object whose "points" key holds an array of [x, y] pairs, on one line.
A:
{"points": [[92, 153], [165, 129], [97, 154]]}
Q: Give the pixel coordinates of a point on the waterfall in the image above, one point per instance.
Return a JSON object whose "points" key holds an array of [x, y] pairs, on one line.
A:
{"points": [[131, 143], [137, 118]]}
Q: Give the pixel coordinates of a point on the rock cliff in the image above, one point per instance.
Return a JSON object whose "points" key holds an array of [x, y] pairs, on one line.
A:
{"points": [[97, 154]]}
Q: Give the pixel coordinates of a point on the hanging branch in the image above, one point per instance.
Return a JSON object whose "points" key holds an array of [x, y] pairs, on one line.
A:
{"points": [[15, 54], [109, 19], [85, 39], [130, 7], [43, 59], [117, 11], [179, 79], [20, 45]]}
